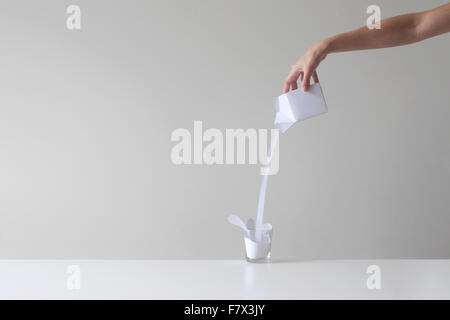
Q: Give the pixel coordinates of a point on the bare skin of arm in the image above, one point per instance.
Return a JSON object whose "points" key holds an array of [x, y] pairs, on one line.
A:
{"points": [[395, 31]]}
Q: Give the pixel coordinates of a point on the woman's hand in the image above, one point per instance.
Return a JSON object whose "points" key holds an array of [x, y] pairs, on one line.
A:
{"points": [[306, 67]]}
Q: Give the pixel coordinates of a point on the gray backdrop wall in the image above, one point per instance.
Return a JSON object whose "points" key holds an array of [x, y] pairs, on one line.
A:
{"points": [[86, 118]]}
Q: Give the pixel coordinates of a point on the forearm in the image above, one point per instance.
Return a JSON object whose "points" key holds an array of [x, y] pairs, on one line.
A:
{"points": [[395, 31]]}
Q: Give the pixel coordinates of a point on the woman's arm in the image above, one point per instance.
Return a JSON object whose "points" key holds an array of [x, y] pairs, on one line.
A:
{"points": [[395, 31]]}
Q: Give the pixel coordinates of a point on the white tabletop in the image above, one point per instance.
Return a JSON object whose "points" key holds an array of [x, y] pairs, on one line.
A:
{"points": [[222, 279]]}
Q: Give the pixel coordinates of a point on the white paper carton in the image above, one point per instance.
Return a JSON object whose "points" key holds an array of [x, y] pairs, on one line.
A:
{"points": [[297, 105]]}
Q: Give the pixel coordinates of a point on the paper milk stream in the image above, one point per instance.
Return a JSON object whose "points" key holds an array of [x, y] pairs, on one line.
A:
{"points": [[291, 107], [263, 188]]}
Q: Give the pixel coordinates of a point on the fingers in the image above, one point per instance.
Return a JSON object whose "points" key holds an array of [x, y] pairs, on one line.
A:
{"points": [[315, 77], [291, 81], [287, 85], [294, 85], [305, 80]]}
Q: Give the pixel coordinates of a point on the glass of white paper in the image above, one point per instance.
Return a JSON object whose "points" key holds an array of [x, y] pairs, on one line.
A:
{"points": [[258, 251]]}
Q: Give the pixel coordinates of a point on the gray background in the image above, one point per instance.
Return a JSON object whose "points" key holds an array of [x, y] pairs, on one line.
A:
{"points": [[86, 118]]}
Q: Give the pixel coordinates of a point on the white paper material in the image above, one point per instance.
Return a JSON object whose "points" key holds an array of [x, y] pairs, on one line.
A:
{"points": [[258, 249], [297, 105], [263, 188], [255, 249], [291, 107]]}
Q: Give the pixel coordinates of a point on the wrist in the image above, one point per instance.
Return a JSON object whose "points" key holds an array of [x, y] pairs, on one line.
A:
{"points": [[326, 46]]}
